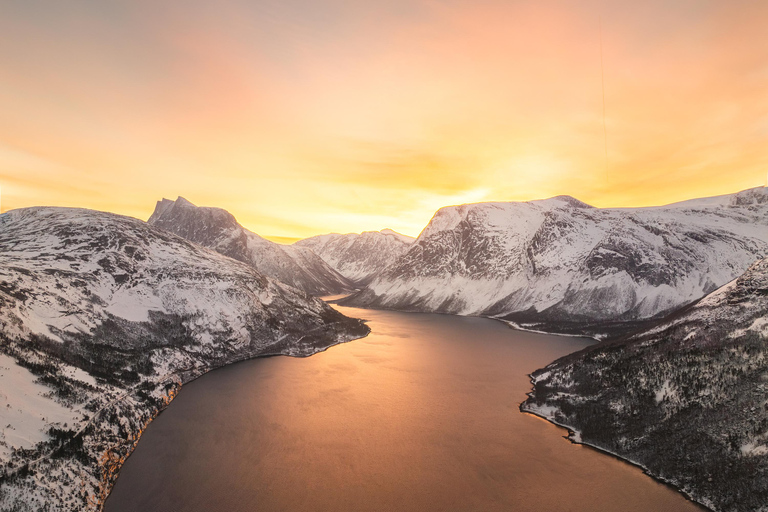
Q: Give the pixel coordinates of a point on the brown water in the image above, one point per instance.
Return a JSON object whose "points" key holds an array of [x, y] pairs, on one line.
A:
{"points": [[422, 415]]}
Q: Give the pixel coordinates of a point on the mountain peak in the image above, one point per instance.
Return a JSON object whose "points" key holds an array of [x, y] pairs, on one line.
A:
{"points": [[750, 196], [218, 229], [563, 200], [184, 202], [757, 195], [400, 236]]}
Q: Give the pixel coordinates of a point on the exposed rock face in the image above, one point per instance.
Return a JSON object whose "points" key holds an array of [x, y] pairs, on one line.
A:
{"points": [[216, 228], [686, 399], [560, 264], [361, 257], [102, 318]]}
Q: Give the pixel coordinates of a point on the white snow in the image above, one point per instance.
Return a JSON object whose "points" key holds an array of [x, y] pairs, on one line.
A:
{"points": [[218, 229], [603, 263], [358, 257], [26, 408], [667, 391], [403, 238], [753, 448]]}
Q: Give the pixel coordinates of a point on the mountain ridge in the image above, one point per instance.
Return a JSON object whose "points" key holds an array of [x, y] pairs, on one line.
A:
{"points": [[559, 262], [359, 257], [684, 399], [102, 319], [218, 229]]}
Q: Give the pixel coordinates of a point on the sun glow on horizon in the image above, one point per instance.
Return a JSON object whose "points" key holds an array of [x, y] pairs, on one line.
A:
{"points": [[302, 118]]}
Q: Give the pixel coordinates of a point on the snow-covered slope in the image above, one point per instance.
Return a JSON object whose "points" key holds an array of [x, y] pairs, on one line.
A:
{"points": [[687, 399], [218, 229], [561, 264], [359, 257], [102, 318]]}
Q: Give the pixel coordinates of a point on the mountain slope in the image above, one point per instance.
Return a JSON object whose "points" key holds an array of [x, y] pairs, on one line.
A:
{"points": [[216, 228], [687, 399], [102, 318], [560, 264], [359, 257]]}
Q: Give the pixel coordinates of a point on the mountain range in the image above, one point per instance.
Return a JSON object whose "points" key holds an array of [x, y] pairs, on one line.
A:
{"points": [[102, 319], [359, 257], [216, 228], [561, 265]]}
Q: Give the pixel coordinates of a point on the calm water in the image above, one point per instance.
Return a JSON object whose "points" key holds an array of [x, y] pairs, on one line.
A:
{"points": [[421, 415]]}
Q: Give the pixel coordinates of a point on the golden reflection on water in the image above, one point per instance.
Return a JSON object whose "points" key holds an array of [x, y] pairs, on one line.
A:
{"points": [[421, 415]]}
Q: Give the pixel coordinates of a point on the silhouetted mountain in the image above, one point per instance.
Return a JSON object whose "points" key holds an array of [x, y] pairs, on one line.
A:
{"points": [[218, 229]]}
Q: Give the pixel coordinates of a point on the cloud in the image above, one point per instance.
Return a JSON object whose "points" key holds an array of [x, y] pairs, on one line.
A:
{"points": [[303, 117]]}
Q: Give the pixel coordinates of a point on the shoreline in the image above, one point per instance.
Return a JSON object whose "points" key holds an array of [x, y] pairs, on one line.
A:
{"points": [[572, 433], [518, 327], [192, 376], [135, 414], [184, 377], [571, 437], [508, 323]]}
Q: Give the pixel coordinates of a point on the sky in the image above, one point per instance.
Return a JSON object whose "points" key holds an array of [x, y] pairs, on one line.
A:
{"points": [[304, 117]]}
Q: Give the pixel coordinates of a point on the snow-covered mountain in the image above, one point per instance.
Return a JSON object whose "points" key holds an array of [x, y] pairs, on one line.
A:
{"points": [[102, 318], [218, 229], [359, 257], [687, 399], [560, 264]]}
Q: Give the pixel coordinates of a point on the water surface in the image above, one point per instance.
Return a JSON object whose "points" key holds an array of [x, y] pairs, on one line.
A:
{"points": [[421, 415]]}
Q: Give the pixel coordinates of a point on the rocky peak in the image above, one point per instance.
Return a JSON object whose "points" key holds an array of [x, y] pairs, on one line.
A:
{"points": [[218, 229]]}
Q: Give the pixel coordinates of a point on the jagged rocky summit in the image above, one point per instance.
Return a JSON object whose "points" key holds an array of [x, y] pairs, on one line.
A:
{"points": [[359, 257], [687, 399], [102, 318], [563, 266], [216, 228]]}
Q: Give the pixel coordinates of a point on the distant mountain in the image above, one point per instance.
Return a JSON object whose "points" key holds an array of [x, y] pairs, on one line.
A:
{"points": [[561, 265], [216, 228], [102, 318], [688, 399], [359, 257]]}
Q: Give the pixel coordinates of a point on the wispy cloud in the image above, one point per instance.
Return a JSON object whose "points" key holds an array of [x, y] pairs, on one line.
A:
{"points": [[308, 116]]}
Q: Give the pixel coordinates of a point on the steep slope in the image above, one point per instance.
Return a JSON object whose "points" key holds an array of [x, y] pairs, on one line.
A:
{"points": [[559, 264], [359, 257], [102, 318], [218, 229], [688, 400]]}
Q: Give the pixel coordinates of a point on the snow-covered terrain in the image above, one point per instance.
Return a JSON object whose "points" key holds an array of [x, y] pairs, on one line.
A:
{"points": [[218, 229], [102, 318], [687, 399], [561, 264], [359, 257]]}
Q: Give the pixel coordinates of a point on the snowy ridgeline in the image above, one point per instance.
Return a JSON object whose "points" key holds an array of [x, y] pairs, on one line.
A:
{"points": [[102, 318], [559, 264], [359, 257], [687, 400], [217, 229]]}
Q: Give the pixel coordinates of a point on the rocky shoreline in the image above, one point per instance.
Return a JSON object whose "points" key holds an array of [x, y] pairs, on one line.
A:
{"points": [[574, 436], [84, 454]]}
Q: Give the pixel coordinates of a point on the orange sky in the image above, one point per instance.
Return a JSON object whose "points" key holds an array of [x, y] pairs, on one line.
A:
{"points": [[308, 116]]}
